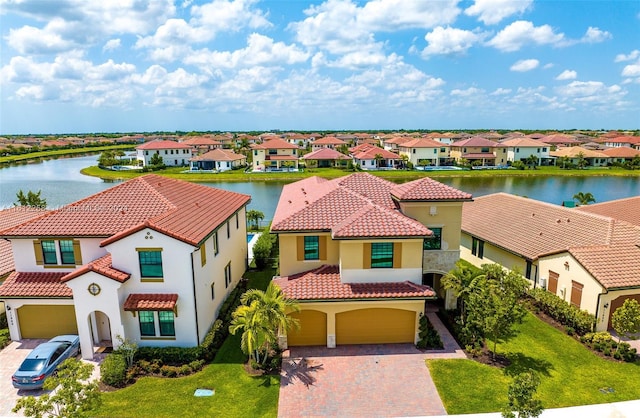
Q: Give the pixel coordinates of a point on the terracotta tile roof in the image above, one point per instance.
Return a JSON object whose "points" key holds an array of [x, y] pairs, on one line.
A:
{"points": [[421, 143], [399, 140], [627, 209], [324, 283], [370, 154], [159, 144], [531, 228], [151, 302], [476, 141], [185, 211], [10, 218], [362, 147], [35, 285], [199, 141], [625, 139], [281, 157], [559, 139], [275, 143], [6, 258], [622, 152], [328, 140], [101, 266], [523, 142], [325, 154], [574, 151], [426, 189], [219, 155], [358, 205]]}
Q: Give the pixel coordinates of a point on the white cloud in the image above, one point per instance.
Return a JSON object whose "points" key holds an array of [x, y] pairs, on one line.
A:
{"points": [[521, 33], [591, 92], [493, 11], [632, 56], [631, 70], [390, 15], [450, 41], [30, 40], [567, 75], [112, 44], [547, 66], [471, 91], [525, 65], [595, 35], [500, 92], [228, 16]]}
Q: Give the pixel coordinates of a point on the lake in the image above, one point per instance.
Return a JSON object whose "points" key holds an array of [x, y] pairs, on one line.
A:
{"points": [[61, 183]]}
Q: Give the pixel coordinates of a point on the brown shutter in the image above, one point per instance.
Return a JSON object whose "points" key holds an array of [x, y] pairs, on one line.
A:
{"points": [[552, 285], [77, 254], [300, 248], [576, 293], [37, 250], [203, 254], [397, 255], [366, 255], [322, 243]]}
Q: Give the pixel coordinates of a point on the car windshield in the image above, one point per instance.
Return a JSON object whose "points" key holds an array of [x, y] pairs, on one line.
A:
{"points": [[32, 365]]}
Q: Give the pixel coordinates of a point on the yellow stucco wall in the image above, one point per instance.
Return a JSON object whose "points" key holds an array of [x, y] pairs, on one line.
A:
{"points": [[289, 263], [492, 254], [352, 256], [446, 215]]}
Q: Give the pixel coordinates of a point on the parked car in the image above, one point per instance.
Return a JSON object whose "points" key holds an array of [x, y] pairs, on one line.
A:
{"points": [[43, 361]]}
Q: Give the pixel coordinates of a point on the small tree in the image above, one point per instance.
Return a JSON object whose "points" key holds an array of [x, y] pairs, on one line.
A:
{"points": [[532, 161], [521, 397], [626, 319], [584, 198], [255, 216], [128, 349], [156, 160], [73, 397], [379, 158], [30, 199]]}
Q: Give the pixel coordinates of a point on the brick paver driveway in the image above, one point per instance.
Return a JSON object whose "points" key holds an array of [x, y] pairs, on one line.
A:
{"points": [[10, 358]]}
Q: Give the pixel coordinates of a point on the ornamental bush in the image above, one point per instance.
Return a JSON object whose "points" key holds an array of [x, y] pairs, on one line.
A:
{"points": [[568, 315], [113, 370]]}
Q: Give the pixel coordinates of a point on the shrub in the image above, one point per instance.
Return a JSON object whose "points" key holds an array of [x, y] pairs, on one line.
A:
{"points": [[519, 165], [262, 250], [3, 320], [213, 340], [185, 370], [429, 338], [581, 322], [196, 365], [4, 338], [169, 355], [113, 370], [169, 371]]}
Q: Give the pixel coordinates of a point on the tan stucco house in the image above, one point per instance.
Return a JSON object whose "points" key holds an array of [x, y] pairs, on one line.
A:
{"points": [[275, 155], [362, 254], [589, 256]]}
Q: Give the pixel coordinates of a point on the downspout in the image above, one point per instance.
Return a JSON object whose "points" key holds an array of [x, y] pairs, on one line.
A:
{"points": [[195, 301]]}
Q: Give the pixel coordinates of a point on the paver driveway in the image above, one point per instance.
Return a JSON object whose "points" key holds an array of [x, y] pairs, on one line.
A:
{"points": [[10, 358]]}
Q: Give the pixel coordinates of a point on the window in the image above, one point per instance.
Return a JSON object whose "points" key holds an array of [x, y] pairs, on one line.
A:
{"points": [[66, 251], [273, 152], [203, 254], [414, 150], [215, 243], [544, 149], [255, 152], [167, 326], [434, 242], [576, 293], [311, 248], [528, 270], [166, 152], [477, 247], [150, 263], [213, 291], [49, 252], [147, 323], [435, 150], [382, 255], [228, 230], [227, 275], [237, 221], [484, 149], [443, 150]]}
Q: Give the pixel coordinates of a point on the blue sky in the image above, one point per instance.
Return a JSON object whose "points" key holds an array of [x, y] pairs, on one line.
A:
{"points": [[76, 66]]}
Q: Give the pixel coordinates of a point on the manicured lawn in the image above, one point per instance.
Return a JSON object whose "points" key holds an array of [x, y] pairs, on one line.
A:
{"points": [[236, 393], [571, 374], [62, 153]]}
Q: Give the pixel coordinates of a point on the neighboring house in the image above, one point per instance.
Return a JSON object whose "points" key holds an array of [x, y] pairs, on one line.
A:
{"points": [[150, 260], [623, 141], [392, 144], [374, 158], [593, 158], [424, 151], [173, 153], [275, 155], [330, 142], [521, 148], [560, 140], [202, 144], [325, 157], [362, 254], [590, 260], [621, 154], [479, 151], [218, 159]]}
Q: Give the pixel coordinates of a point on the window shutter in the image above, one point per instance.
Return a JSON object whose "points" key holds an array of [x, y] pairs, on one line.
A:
{"points": [[397, 255], [300, 248], [37, 250], [203, 255], [322, 243], [77, 254], [366, 255]]}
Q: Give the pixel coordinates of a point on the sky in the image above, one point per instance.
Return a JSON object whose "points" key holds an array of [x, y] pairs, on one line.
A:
{"points": [[88, 66]]}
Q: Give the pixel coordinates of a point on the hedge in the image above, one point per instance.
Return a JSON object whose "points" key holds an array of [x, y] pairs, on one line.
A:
{"points": [[568, 315], [113, 370]]}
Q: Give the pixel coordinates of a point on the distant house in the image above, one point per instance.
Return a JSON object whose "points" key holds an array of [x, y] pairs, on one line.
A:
{"points": [[521, 148], [479, 150], [560, 140], [275, 155], [362, 254], [374, 158], [588, 256], [201, 144], [150, 260], [325, 157], [575, 153], [172, 153], [623, 141], [218, 159], [330, 142], [394, 142], [424, 151], [621, 154]]}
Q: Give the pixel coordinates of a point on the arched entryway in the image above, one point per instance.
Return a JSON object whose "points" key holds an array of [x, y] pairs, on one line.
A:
{"points": [[100, 327], [432, 279]]}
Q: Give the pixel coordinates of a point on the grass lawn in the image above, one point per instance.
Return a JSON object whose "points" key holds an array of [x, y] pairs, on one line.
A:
{"points": [[571, 374], [236, 393], [62, 153]]}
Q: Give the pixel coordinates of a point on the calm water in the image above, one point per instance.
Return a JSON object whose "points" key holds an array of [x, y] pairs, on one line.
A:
{"points": [[61, 183]]}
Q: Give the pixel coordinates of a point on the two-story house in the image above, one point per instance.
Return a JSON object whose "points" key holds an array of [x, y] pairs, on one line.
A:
{"points": [[424, 151], [330, 142], [362, 254], [520, 149], [275, 155], [589, 256], [371, 157], [479, 150], [173, 153], [150, 260]]}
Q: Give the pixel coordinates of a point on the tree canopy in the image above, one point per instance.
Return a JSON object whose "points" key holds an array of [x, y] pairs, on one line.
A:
{"points": [[31, 199]]}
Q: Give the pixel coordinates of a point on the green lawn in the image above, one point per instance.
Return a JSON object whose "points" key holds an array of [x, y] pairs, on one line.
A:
{"points": [[571, 374], [62, 153], [236, 393]]}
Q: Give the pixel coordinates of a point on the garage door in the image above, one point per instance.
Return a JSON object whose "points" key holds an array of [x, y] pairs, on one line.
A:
{"points": [[618, 302], [313, 329], [375, 326], [46, 321]]}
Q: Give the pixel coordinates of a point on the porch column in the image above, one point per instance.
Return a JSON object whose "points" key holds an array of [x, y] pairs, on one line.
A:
{"points": [[331, 330], [86, 337]]}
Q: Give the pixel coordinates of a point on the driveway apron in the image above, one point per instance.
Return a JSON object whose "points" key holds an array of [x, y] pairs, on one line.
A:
{"points": [[10, 359]]}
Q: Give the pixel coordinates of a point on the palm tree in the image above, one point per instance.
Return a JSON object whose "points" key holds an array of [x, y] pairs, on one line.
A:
{"points": [[379, 158], [254, 331], [254, 217], [582, 162], [584, 198], [462, 281], [274, 306]]}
